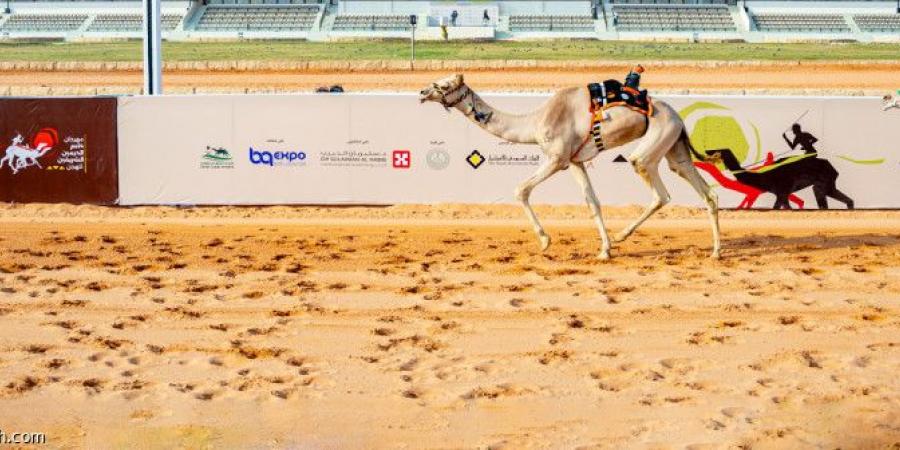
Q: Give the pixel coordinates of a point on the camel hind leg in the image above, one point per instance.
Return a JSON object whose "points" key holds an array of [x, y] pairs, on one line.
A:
{"points": [[656, 142], [680, 162]]}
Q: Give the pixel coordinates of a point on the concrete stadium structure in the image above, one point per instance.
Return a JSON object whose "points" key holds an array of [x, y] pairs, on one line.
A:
{"points": [[322, 20]]}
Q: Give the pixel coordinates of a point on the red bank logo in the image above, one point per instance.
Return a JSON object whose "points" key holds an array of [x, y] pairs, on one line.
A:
{"points": [[401, 159]]}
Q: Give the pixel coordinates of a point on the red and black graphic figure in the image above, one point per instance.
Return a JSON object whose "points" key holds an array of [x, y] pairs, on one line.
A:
{"points": [[750, 193], [789, 175], [805, 140]]}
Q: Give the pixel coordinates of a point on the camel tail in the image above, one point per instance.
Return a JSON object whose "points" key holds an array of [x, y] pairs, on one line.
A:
{"points": [[687, 143]]}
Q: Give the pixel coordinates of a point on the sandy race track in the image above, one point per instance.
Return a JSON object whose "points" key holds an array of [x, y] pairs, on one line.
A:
{"points": [[845, 78], [445, 326]]}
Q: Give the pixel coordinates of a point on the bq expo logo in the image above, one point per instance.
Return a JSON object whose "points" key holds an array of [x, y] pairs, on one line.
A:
{"points": [[277, 158]]}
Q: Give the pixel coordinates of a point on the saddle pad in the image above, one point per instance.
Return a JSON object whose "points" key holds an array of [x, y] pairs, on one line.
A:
{"points": [[611, 93]]}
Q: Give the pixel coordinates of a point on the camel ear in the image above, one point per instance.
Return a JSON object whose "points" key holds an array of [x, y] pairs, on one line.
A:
{"points": [[459, 79]]}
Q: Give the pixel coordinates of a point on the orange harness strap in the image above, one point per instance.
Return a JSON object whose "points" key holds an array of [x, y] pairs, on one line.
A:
{"points": [[597, 117]]}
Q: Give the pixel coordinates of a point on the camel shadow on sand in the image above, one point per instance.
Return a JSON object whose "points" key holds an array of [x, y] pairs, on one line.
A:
{"points": [[756, 245], [763, 244]]}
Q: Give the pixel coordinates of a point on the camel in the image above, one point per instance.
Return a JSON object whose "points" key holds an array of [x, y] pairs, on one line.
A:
{"points": [[26, 155], [783, 180], [561, 128]]}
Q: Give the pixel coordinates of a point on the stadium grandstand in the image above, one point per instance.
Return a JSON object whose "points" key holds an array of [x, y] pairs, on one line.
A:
{"points": [[322, 20]]}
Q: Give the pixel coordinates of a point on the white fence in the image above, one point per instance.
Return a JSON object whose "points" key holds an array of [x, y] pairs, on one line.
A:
{"points": [[386, 149]]}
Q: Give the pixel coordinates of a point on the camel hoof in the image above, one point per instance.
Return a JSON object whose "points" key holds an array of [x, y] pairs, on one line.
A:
{"points": [[545, 242], [620, 237], [604, 255], [715, 255]]}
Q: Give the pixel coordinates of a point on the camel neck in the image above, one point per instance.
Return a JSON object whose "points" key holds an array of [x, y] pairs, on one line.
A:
{"points": [[510, 127]]}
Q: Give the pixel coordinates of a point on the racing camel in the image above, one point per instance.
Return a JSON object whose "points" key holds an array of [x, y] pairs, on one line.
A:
{"points": [[786, 177], [562, 128]]}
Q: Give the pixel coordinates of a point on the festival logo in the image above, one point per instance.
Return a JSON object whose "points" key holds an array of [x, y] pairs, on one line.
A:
{"points": [[21, 155], [216, 158], [277, 158], [437, 159], [401, 159]]}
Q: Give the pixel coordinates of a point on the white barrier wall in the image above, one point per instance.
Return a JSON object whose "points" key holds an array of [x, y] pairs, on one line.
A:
{"points": [[385, 149]]}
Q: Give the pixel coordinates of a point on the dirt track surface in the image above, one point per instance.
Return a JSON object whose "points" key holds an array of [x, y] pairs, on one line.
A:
{"points": [[756, 78], [433, 326]]}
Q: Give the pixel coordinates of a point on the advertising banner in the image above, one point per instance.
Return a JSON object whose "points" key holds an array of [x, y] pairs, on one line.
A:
{"points": [[58, 150], [389, 148]]}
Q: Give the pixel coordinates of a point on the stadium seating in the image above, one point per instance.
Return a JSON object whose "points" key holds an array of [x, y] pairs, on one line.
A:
{"points": [[258, 18], [804, 23], [878, 23], [353, 22], [672, 18], [265, 2], [551, 23], [672, 2], [129, 22], [43, 22], [645, 18]]}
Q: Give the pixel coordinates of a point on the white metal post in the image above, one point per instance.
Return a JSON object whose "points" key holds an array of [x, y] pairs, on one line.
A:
{"points": [[413, 23], [152, 48]]}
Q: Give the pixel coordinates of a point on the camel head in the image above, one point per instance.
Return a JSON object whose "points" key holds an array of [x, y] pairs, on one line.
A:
{"points": [[17, 140], [447, 91]]}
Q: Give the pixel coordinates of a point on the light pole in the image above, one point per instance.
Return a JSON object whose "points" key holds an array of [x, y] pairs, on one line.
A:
{"points": [[152, 48]]}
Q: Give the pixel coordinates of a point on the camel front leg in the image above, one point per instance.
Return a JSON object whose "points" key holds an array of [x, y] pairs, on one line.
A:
{"points": [[590, 197], [523, 193]]}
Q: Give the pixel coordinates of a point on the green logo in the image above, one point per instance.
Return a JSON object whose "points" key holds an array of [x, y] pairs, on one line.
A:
{"points": [[216, 158]]}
